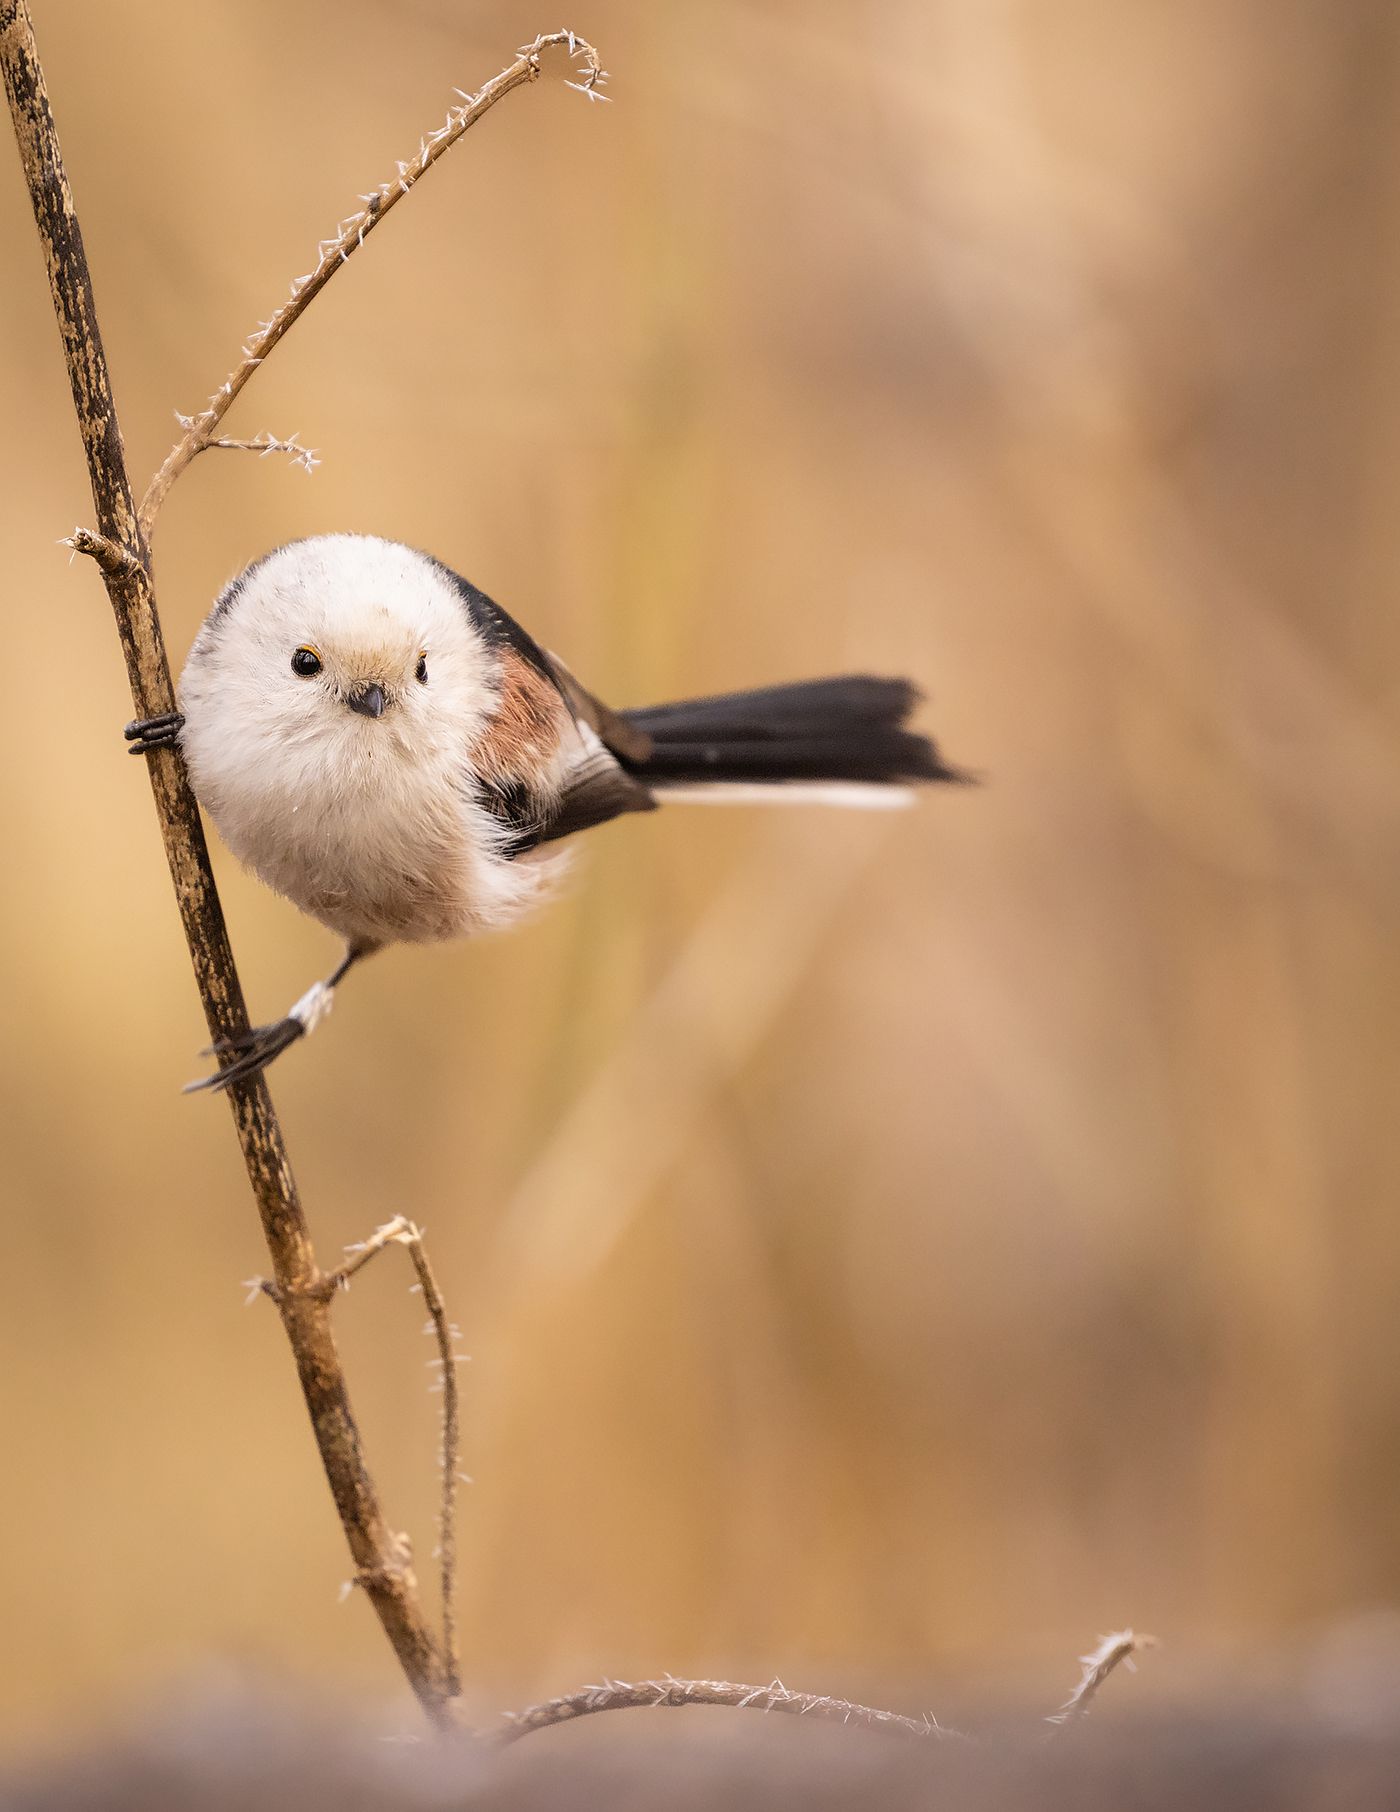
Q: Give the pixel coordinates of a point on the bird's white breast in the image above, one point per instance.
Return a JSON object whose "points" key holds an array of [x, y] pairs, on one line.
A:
{"points": [[373, 840]]}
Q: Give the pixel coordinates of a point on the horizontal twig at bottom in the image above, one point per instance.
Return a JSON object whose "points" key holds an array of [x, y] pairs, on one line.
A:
{"points": [[1110, 1653], [623, 1695]]}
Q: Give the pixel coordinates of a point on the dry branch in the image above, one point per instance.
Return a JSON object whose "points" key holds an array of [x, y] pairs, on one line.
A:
{"points": [[627, 1695], [263, 444], [120, 548], [446, 1334], [402, 1232], [1112, 1652], [350, 234]]}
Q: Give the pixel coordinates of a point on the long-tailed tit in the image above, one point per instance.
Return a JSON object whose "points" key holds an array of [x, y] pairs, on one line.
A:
{"points": [[386, 747]]}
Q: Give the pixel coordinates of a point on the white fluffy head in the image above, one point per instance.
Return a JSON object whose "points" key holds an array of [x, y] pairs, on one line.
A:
{"points": [[369, 822], [369, 611]]}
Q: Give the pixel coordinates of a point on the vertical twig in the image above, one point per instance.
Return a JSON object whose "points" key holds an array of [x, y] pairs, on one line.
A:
{"points": [[447, 1360], [401, 1231]]}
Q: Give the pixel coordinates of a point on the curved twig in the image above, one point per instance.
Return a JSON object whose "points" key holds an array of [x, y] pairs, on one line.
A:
{"points": [[200, 430], [1111, 1653], [628, 1695], [446, 1334], [401, 1231]]}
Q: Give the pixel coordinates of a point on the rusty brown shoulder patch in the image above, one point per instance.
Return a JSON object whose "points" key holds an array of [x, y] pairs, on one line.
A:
{"points": [[522, 737]]}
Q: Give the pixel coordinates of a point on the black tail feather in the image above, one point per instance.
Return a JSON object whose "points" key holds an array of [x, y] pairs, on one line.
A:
{"points": [[847, 729]]}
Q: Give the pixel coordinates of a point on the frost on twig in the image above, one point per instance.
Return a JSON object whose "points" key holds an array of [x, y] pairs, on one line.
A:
{"points": [[263, 444], [1116, 1650], [200, 432]]}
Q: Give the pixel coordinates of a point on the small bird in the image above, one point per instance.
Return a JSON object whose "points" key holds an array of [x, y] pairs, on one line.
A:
{"points": [[382, 744]]}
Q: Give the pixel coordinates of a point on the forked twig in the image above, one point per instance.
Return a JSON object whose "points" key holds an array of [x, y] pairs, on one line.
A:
{"points": [[401, 1231], [394, 1232], [446, 1334], [200, 431]]}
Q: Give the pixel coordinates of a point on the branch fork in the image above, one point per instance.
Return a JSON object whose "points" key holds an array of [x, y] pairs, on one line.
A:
{"points": [[200, 432], [116, 561]]}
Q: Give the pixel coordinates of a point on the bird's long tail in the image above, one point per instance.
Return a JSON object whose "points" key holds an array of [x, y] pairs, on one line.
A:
{"points": [[839, 740]]}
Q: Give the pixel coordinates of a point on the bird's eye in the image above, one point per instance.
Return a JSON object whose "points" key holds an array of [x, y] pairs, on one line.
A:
{"points": [[305, 662], [421, 671]]}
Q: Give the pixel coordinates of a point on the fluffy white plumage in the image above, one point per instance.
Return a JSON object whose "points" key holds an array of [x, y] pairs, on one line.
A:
{"points": [[371, 825]]}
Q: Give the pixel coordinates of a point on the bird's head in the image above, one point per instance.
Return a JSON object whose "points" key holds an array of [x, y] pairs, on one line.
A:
{"points": [[342, 651]]}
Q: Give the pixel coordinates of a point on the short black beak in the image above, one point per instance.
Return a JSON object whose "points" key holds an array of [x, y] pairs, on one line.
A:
{"points": [[369, 701]]}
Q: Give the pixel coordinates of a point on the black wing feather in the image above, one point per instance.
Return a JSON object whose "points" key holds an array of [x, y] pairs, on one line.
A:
{"points": [[597, 791]]}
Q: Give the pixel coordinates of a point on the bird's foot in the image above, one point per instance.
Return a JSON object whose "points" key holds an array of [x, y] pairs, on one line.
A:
{"points": [[149, 733], [253, 1050], [248, 1052]]}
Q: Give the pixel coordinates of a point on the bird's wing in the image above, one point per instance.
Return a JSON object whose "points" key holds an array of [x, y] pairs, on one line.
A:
{"points": [[622, 739], [550, 761], [595, 789]]}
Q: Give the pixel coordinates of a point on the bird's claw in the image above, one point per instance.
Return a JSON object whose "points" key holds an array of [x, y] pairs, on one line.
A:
{"points": [[148, 733], [250, 1052]]}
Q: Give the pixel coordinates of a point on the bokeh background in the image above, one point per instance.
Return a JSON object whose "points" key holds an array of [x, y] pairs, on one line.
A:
{"points": [[891, 1248]]}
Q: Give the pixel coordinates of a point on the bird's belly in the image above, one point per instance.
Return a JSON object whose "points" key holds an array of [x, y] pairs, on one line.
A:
{"points": [[385, 851], [369, 875]]}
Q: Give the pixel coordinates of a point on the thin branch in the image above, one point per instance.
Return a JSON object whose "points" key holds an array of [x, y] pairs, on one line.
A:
{"points": [[120, 549], [1112, 1652], [200, 431], [402, 1232], [393, 1233], [263, 444], [625, 1695], [447, 1360]]}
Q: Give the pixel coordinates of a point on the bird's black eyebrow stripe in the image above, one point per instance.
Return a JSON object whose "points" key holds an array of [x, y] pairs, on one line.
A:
{"points": [[496, 627]]}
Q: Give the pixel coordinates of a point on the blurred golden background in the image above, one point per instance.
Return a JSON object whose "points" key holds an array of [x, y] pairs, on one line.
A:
{"points": [[890, 1247]]}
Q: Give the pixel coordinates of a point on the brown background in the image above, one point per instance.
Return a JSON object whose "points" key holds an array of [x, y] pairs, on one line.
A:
{"points": [[889, 1247]]}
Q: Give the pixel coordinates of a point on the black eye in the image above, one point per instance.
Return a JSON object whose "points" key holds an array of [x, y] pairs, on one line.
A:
{"points": [[305, 662], [421, 671]]}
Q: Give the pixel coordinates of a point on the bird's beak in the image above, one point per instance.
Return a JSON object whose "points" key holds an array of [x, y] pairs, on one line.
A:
{"points": [[369, 701]]}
